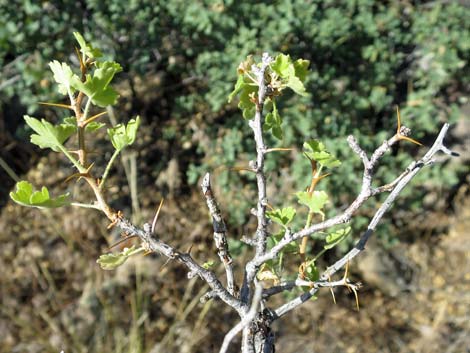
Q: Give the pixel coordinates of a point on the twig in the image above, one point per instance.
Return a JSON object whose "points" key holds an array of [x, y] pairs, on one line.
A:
{"points": [[247, 319], [220, 232], [412, 170]]}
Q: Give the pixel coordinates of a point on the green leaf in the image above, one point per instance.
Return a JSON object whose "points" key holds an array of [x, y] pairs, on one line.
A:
{"points": [[111, 261], [273, 122], [282, 216], [301, 68], [246, 104], [238, 87], [26, 196], [311, 271], [282, 65], [336, 237], [48, 135], [297, 86], [316, 150], [124, 135], [97, 87], [64, 76], [292, 73], [86, 48], [208, 265], [91, 127], [292, 247], [315, 201]]}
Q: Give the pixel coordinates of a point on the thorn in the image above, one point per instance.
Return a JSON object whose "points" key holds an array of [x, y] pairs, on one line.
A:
{"points": [[357, 297], [82, 65], [117, 218], [278, 149], [164, 265], [189, 249], [121, 241], [399, 134], [331, 290], [94, 117], [57, 105], [239, 169], [154, 223], [346, 271], [315, 182]]}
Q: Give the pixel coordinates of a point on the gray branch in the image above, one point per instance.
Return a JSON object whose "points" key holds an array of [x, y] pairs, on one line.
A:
{"points": [[155, 245], [220, 232], [410, 172], [256, 125]]}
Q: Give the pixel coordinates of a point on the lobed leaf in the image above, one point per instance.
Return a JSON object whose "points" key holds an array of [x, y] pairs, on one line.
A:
{"points": [[335, 237], [87, 49], [311, 271], [315, 201], [26, 196], [111, 261], [292, 247], [282, 216], [97, 87], [48, 135], [124, 135], [273, 122], [316, 150], [64, 76]]}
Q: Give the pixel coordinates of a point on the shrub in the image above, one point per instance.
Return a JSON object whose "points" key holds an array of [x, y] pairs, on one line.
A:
{"points": [[260, 87]]}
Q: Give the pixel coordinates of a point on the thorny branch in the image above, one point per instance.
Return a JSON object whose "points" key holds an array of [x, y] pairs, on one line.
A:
{"points": [[256, 125], [220, 232], [155, 245], [405, 178]]}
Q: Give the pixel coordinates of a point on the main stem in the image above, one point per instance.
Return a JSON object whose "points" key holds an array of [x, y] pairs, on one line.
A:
{"points": [[249, 340]]}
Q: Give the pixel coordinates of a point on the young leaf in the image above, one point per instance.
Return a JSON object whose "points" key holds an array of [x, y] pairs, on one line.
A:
{"points": [[91, 127], [301, 69], [315, 201], [292, 247], [111, 261], [64, 76], [336, 237], [238, 87], [283, 66], [86, 48], [26, 196], [273, 122], [282, 216], [97, 87], [315, 150], [311, 271], [297, 86], [48, 135], [208, 265], [122, 136], [292, 73]]}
